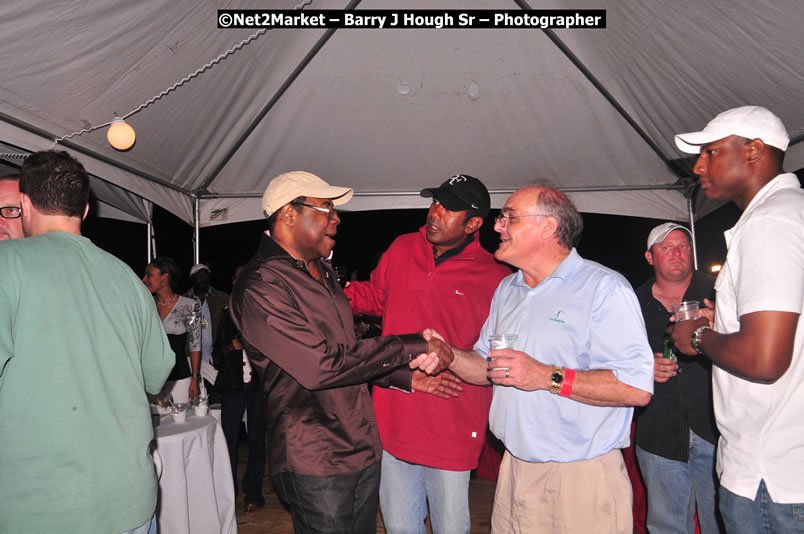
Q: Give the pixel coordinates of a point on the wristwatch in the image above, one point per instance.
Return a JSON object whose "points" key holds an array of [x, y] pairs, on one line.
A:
{"points": [[696, 339], [557, 378], [197, 375]]}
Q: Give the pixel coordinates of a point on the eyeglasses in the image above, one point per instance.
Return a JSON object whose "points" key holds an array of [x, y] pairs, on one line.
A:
{"points": [[684, 247], [10, 212], [329, 211], [504, 220]]}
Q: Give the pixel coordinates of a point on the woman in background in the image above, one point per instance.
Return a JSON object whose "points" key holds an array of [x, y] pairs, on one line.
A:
{"points": [[180, 317]]}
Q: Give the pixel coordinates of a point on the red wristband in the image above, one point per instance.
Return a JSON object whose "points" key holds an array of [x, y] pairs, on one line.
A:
{"points": [[569, 380]]}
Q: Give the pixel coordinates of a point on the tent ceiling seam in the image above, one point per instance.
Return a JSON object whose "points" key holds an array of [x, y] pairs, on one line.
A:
{"points": [[316, 48], [579, 189], [605, 93]]}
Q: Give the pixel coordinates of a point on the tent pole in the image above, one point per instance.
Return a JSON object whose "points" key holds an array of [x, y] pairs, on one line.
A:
{"points": [[196, 230], [149, 253], [692, 232]]}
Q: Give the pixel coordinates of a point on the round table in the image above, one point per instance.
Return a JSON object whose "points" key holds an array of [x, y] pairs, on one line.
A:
{"points": [[196, 493]]}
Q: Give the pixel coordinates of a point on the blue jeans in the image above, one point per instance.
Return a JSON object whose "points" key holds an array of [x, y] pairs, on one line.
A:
{"points": [[674, 488], [760, 516], [405, 489], [344, 504]]}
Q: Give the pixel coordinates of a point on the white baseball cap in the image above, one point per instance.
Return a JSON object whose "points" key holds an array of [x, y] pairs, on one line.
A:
{"points": [[660, 233], [290, 185], [751, 122], [197, 267]]}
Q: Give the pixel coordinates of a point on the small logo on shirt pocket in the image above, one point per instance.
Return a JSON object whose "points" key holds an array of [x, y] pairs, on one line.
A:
{"points": [[556, 317]]}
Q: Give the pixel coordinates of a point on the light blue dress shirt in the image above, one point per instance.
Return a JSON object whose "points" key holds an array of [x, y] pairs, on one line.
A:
{"points": [[585, 317]]}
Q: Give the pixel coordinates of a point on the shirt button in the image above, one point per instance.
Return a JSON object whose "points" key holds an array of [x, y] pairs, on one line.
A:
{"points": [[371, 420]]}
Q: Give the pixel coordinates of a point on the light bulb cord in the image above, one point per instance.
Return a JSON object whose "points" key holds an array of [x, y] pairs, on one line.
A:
{"points": [[173, 87]]}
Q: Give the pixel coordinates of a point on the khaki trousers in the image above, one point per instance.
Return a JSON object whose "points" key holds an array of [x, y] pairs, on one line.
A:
{"points": [[584, 497]]}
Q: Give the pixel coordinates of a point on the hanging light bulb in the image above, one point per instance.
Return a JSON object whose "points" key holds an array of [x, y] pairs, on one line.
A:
{"points": [[121, 135]]}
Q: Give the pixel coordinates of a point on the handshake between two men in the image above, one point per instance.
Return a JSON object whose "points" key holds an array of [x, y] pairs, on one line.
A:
{"points": [[439, 355], [431, 373], [439, 363]]}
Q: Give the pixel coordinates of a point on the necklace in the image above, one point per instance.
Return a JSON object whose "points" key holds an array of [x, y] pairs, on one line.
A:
{"points": [[166, 302]]}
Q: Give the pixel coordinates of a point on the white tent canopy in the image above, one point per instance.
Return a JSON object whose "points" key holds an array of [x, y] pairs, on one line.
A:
{"points": [[388, 111]]}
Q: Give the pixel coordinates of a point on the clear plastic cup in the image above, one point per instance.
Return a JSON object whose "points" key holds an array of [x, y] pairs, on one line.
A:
{"points": [[686, 311], [180, 412], [502, 341]]}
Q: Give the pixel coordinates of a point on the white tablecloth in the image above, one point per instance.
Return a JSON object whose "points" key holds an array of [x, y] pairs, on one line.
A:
{"points": [[196, 494]]}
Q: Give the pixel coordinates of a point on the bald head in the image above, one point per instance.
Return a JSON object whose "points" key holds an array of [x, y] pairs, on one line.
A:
{"points": [[10, 222]]}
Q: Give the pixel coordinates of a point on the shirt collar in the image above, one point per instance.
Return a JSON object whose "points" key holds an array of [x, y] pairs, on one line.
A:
{"points": [[782, 181], [190, 293], [267, 234], [700, 283], [565, 269], [270, 250], [453, 251]]}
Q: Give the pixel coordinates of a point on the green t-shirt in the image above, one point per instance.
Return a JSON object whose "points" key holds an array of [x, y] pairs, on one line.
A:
{"points": [[80, 343]]}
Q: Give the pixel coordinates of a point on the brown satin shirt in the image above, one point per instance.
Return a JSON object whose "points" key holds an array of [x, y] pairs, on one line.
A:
{"points": [[299, 334]]}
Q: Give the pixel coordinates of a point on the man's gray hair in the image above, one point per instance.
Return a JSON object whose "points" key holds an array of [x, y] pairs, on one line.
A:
{"points": [[570, 223]]}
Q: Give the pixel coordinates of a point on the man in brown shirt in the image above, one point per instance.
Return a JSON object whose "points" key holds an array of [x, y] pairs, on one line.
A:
{"points": [[297, 327]]}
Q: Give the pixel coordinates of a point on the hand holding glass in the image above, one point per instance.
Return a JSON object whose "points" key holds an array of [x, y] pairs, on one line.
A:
{"points": [[502, 341], [686, 311]]}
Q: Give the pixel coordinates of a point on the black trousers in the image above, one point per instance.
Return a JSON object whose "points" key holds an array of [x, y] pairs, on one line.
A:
{"points": [[232, 407], [344, 504]]}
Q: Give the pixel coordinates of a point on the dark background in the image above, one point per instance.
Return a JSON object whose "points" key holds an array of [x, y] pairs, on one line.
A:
{"points": [[617, 242]]}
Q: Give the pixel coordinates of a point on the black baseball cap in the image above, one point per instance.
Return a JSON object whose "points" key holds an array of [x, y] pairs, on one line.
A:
{"points": [[461, 192]]}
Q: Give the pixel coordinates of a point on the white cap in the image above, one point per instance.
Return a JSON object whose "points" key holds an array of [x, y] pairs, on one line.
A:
{"points": [[751, 122], [660, 233], [290, 185], [197, 267]]}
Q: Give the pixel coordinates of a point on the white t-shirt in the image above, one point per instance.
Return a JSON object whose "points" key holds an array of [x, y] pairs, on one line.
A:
{"points": [[762, 425]]}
